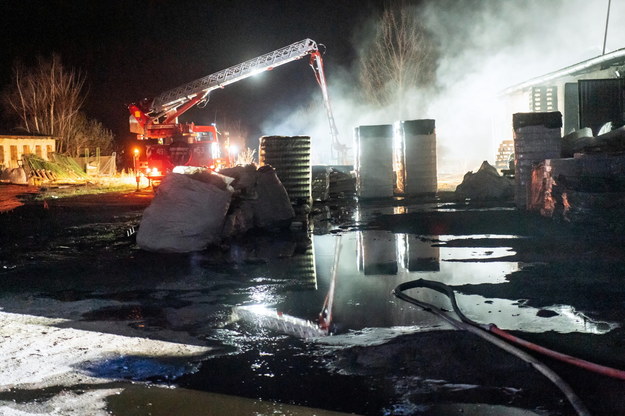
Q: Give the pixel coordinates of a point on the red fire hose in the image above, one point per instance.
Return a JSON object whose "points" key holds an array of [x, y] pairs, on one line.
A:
{"points": [[446, 290], [596, 368], [484, 332]]}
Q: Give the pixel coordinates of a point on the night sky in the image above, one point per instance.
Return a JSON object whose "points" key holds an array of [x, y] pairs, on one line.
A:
{"points": [[130, 50], [135, 49]]}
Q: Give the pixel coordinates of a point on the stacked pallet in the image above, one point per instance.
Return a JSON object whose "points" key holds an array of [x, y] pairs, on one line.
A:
{"points": [[290, 157], [537, 136], [504, 153], [415, 161], [374, 161]]}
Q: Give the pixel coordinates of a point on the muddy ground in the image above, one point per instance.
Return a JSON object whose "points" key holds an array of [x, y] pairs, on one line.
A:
{"points": [[91, 324]]}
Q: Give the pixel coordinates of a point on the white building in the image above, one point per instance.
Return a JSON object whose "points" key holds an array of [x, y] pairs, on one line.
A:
{"points": [[588, 94], [13, 147]]}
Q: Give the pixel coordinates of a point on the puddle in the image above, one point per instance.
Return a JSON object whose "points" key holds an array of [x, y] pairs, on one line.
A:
{"points": [[138, 316], [140, 368], [373, 262]]}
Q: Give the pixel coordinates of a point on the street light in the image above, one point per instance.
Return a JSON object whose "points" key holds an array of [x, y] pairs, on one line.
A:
{"points": [[134, 160]]}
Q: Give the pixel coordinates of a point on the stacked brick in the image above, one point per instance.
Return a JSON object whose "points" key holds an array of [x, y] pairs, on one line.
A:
{"points": [[537, 136]]}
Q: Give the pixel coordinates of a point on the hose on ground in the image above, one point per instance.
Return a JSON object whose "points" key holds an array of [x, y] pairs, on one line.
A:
{"points": [[446, 290], [481, 331]]}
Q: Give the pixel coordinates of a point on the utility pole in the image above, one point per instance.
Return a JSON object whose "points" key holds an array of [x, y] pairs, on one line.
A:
{"points": [[607, 20]]}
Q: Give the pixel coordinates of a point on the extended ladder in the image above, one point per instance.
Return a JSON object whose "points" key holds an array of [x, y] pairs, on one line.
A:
{"points": [[180, 95], [166, 107]]}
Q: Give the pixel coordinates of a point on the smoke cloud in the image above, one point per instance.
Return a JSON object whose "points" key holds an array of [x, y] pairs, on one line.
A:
{"points": [[484, 47]]}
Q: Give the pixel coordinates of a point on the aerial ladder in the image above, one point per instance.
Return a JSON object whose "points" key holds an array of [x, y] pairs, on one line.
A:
{"points": [[174, 143]]}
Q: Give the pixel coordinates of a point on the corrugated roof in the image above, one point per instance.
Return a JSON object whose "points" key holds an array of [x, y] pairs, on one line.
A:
{"points": [[614, 58]]}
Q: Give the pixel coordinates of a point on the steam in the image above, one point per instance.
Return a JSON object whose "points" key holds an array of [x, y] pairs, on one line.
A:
{"points": [[485, 46]]}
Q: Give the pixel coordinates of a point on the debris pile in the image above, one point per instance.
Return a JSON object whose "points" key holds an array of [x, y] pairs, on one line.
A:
{"points": [[577, 141], [485, 185], [583, 141], [587, 185], [342, 183], [330, 182], [194, 208], [588, 188], [37, 169], [321, 183]]}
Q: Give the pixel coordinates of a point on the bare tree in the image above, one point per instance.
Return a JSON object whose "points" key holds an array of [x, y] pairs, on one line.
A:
{"points": [[400, 57], [47, 100], [236, 129], [89, 134]]}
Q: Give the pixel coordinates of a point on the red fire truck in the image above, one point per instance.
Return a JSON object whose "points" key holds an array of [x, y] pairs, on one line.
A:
{"points": [[170, 143]]}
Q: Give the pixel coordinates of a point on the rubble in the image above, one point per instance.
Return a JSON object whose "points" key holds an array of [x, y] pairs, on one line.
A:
{"points": [[588, 188], [331, 182], [576, 141], [321, 182], [485, 184]]}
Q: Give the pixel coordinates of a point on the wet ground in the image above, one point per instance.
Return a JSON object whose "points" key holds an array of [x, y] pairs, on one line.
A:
{"points": [[91, 324]]}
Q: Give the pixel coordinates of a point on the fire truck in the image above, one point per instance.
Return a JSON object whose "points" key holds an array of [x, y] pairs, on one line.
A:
{"points": [[169, 143]]}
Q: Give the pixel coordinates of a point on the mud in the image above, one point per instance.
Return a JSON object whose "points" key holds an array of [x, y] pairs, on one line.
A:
{"points": [[89, 315]]}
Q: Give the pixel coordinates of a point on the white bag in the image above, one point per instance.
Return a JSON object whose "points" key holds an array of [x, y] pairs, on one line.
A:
{"points": [[185, 215]]}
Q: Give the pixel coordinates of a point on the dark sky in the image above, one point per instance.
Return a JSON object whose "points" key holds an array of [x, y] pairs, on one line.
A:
{"points": [[135, 49]]}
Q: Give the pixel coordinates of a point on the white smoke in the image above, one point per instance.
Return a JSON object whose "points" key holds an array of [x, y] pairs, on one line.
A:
{"points": [[485, 47]]}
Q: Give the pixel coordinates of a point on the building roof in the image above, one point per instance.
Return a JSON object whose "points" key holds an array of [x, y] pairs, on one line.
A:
{"points": [[605, 61], [30, 136]]}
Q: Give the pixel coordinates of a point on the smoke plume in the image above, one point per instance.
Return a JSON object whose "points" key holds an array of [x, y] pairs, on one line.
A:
{"points": [[484, 46]]}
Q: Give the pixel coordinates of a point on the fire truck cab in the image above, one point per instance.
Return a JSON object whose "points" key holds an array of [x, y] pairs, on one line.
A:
{"points": [[197, 146]]}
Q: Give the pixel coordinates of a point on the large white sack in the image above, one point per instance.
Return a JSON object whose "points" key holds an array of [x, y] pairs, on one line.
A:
{"points": [[18, 176], [185, 215], [273, 208]]}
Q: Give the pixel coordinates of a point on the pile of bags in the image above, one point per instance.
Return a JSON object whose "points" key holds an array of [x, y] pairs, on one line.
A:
{"points": [[15, 176], [195, 207]]}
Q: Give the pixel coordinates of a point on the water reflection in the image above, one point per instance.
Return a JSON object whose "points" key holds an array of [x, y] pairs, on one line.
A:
{"points": [[514, 315], [377, 253], [417, 254], [374, 262]]}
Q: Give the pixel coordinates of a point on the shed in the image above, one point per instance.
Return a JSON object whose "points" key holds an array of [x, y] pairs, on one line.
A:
{"points": [[13, 147]]}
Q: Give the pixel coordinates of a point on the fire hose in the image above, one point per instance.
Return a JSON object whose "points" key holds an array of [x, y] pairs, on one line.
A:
{"points": [[484, 332]]}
